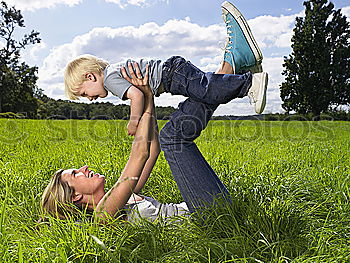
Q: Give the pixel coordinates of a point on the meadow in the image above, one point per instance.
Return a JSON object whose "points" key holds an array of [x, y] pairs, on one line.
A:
{"points": [[290, 184]]}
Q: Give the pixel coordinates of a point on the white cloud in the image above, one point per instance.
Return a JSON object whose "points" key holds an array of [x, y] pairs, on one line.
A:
{"points": [[346, 11], [33, 54], [271, 31], [37, 48], [273, 65], [38, 4]]}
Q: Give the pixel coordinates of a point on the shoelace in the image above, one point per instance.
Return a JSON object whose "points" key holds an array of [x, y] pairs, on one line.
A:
{"points": [[232, 58], [228, 26], [251, 97], [229, 32]]}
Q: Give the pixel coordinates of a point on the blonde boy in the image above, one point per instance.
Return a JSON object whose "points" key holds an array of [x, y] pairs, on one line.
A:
{"points": [[91, 77]]}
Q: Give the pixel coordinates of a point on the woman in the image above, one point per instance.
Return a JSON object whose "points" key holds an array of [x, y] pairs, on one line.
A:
{"points": [[197, 182]]}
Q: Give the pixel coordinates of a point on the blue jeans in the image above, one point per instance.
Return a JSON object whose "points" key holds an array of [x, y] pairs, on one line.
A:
{"points": [[197, 181]]}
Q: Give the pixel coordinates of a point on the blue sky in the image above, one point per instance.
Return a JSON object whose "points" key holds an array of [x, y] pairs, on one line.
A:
{"points": [[119, 29]]}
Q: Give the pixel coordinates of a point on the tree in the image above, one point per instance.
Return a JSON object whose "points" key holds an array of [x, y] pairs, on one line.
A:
{"points": [[318, 70], [17, 80]]}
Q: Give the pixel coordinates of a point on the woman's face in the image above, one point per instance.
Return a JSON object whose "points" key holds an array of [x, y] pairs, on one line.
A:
{"points": [[84, 182]]}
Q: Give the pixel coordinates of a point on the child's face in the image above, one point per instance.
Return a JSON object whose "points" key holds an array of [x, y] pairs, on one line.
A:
{"points": [[92, 88]]}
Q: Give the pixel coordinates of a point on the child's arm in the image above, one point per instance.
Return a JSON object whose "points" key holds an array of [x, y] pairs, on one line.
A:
{"points": [[136, 108]]}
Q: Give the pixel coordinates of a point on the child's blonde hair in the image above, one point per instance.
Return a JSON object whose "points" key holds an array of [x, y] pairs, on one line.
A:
{"points": [[74, 74]]}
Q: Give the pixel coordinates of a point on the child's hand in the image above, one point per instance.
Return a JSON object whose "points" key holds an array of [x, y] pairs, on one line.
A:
{"points": [[132, 128]]}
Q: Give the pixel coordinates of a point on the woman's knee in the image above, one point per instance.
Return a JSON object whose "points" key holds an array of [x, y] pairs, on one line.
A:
{"points": [[180, 129]]}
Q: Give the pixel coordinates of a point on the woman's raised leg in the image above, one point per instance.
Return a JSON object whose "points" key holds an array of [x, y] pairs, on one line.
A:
{"points": [[197, 181]]}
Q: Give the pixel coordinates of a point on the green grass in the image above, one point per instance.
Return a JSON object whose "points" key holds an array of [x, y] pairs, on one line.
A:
{"points": [[289, 181]]}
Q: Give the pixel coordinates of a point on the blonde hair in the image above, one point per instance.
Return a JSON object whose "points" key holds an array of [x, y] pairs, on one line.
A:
{"points": [[74, 74], [57, 198]]}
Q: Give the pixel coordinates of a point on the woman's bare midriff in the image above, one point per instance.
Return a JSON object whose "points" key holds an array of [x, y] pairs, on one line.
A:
{"points": [[134, 198]]}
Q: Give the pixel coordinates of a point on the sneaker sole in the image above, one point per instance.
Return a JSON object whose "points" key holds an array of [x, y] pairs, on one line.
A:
{"points": [[259, 107], [246, 30]]}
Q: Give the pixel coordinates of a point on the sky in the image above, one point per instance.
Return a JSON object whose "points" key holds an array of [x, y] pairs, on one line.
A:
{"points": [[116, 30]]}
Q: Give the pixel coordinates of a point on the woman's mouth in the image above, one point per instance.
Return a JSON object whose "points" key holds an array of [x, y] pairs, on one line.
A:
{"points": [[92, 174]]}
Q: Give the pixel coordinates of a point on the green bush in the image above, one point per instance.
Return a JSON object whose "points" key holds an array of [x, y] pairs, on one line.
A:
{"points": [[11, 115]]}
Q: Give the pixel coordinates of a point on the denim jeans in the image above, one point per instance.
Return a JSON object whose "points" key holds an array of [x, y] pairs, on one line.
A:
{"points": [[197, 181]]}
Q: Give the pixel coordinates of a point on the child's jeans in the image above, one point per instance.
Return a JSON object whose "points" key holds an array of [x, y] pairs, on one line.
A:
{"points": [[198, 183]]}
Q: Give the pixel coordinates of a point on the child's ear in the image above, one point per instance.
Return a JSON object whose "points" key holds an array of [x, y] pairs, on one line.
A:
{"points": [[90, 76]]}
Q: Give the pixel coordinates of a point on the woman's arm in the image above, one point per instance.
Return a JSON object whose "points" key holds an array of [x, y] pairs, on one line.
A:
{"points": [[154, 153], [120, 193], [154, 147]]}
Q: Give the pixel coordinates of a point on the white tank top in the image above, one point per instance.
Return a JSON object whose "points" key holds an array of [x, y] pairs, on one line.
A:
{"points": [[151, 209]]}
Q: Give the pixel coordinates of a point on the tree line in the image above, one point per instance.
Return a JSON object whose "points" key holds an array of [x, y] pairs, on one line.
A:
{"points": [[317, 72], [63, 109]]}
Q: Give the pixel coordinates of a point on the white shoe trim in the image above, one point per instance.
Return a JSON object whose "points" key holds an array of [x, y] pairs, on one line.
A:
{"points": [[261, 102]]}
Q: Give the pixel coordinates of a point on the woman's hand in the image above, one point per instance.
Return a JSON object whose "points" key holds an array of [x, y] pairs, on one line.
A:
{"points": [[137, 79]]}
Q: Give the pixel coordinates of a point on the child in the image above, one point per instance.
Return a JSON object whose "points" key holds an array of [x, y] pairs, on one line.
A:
{"points": [[91, 77]]}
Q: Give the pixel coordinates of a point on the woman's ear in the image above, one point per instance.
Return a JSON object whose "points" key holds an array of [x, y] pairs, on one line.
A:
{"points": [[76, 197]]}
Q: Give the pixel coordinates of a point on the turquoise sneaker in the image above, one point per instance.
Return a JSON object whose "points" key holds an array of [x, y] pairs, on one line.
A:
{"points": [[241, 50]]}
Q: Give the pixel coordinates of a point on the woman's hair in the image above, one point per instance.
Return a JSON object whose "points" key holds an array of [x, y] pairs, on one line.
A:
{"points": [[57, 198], [74, 74]]}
